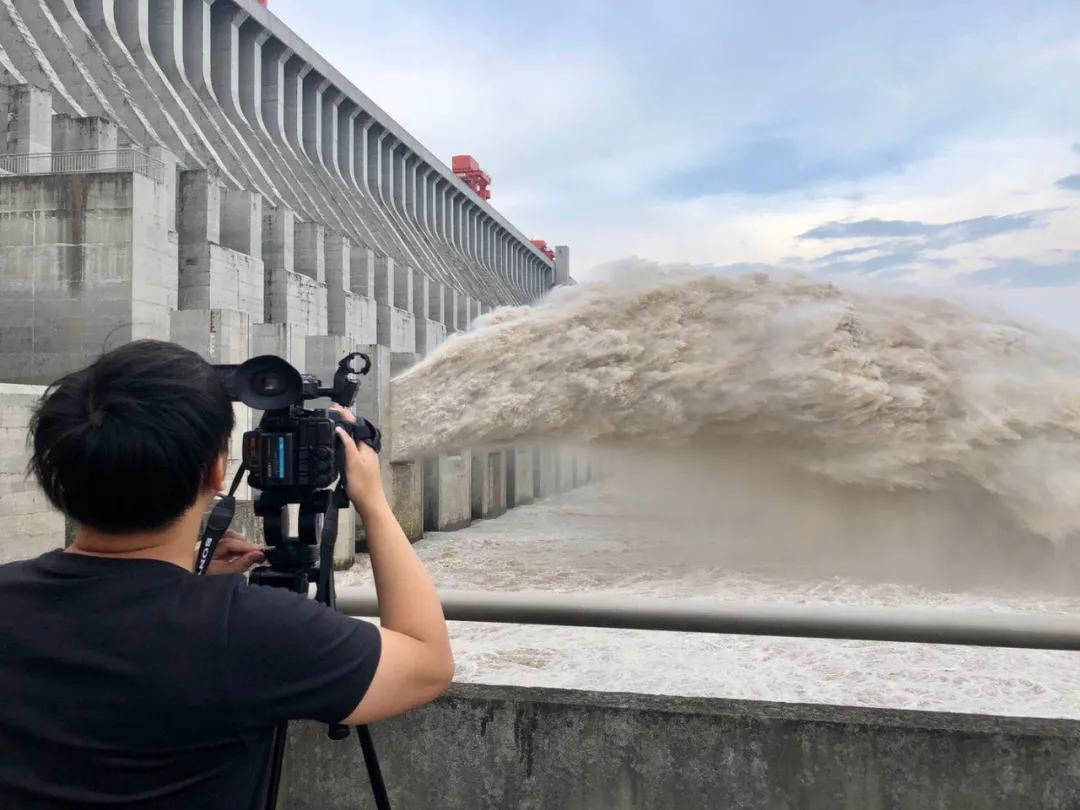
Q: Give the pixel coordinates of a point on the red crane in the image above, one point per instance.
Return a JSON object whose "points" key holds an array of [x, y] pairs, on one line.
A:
{"points": [[466, 167], [541, 245]]}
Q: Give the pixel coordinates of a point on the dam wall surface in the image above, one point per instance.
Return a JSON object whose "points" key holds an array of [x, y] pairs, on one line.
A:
{"points": [[30, 525], [192, 170], [487, 746]]}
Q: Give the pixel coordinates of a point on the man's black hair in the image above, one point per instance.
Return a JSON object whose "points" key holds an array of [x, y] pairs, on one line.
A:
{"points": [[125, 444]]}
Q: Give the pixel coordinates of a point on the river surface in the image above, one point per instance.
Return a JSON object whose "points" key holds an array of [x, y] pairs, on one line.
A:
{"points": [[579, 542]]}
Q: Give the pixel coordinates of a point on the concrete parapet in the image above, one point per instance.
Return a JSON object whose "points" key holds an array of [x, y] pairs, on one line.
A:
{"points": [[519, 476], [31, 525], [488, 484], [510, 746], [447, 491], [292, 297]]}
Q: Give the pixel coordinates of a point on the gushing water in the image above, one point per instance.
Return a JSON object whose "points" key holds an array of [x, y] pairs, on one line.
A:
{"points": [[883, 392], [769, 440]]}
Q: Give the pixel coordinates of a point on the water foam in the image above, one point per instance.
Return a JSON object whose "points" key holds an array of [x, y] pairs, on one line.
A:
{"points": [[865, 394]]}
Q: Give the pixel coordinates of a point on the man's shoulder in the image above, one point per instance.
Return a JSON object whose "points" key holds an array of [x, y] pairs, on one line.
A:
{"points": [[261, 614], [29, 568], [259, 599], [16, 569]]}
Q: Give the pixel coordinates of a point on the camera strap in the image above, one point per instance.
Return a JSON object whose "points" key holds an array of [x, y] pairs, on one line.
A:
{"points": [[324, 588], [217, 524]]}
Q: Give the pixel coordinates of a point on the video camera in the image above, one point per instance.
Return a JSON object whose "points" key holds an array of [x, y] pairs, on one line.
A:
{"points": [[294, 449], [294, 455]]}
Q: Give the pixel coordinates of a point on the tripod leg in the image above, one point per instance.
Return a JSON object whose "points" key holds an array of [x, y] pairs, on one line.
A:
{"points": [[277, 757], [378, 787]]}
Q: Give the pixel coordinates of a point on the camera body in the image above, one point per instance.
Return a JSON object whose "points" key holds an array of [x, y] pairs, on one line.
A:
{"points": [[297, 448], [295, 451]]}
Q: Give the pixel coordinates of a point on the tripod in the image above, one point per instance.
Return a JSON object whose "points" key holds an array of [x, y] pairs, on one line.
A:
{"points": [[294, 563]]}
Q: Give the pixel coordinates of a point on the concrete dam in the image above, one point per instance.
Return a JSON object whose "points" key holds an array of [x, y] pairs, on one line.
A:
{"points": [[192, 170], [195, 171]]}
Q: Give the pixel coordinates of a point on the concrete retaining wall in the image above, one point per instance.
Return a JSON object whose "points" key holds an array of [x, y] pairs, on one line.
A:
{"points": [[87, 264], [31, 525], [513, 747]]}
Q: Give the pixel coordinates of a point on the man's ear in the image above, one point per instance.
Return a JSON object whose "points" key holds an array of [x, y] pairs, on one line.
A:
{"points": [[215, 476]]}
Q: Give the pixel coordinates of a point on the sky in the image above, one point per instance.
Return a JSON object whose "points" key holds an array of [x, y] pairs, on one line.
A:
{"points": [[919, 144]]}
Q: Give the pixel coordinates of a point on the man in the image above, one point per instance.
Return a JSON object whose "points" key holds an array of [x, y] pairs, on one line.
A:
{"points": [[127, 681]]}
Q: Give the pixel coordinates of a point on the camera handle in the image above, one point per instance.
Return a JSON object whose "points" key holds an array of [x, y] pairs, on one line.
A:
{"points": [[346, 383]]}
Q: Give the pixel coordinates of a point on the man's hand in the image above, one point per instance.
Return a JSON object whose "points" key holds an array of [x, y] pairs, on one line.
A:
{"points": [[363, 481], [234, 555]]}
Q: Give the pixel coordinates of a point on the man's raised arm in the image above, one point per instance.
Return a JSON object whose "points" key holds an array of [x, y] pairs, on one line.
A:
{"points": [[416, 664]]}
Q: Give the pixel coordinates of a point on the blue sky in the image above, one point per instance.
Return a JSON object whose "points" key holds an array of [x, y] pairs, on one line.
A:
{"points": [[919, 144]]}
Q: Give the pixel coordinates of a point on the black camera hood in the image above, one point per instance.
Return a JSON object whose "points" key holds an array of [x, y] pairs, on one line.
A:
{"points": [[265, 383]]}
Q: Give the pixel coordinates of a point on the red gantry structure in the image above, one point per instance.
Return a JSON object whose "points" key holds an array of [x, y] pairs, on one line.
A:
{"points": [[466, 167], [542, 246]]}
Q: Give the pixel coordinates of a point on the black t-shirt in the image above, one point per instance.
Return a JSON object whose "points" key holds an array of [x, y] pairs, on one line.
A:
{"points": [[135, 684]]}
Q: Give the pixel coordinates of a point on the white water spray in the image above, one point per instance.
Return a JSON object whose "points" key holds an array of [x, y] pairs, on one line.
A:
{"points": [[890, 412]]}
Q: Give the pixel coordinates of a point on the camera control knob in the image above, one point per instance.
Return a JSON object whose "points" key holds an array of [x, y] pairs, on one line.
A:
{"points": [[323, 466], [323, 452]]}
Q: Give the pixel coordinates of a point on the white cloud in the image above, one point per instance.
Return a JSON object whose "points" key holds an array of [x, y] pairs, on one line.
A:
{"points": [[585, 114]]}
